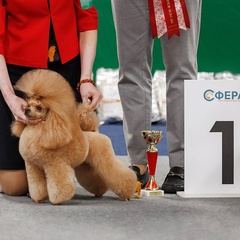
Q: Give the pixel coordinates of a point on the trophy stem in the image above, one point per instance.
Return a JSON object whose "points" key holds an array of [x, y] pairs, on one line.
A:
{"points": [[152, 163]]}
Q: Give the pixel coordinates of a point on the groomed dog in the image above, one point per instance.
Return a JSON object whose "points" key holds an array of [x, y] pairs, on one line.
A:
{"points": [[65, 144]]}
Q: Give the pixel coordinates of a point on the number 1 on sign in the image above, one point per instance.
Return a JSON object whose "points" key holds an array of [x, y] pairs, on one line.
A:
{"points": [[227, 130]]}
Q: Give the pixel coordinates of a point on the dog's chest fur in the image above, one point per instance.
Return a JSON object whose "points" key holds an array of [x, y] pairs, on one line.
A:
{"points": [[32, 151]]}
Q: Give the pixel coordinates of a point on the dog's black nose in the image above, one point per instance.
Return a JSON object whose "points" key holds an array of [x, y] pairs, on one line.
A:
{"points": [[27, 110]]}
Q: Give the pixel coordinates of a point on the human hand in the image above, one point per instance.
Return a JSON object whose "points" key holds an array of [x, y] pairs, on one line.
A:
{"points": [[89, 92], [17, 106]]}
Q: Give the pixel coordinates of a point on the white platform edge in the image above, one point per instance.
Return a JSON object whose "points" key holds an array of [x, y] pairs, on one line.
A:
{"points": [[208, 195], [156, 193]]}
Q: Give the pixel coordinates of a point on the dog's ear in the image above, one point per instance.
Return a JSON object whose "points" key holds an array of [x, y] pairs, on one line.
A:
{"points": [[57, 132], [17, 128]]}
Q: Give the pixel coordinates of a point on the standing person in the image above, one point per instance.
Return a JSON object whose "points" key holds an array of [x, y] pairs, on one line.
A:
{"points": [[134, 42], [58, 35]]}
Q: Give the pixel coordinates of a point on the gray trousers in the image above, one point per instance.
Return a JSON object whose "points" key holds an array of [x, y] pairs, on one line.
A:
{"points": [[134, 45]]}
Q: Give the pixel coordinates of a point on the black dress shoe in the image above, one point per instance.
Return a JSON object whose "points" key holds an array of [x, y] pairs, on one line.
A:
{"points": [[143, 178], [174, 181]]}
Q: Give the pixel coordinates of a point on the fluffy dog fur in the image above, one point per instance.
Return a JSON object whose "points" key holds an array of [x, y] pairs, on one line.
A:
{"points": [[57, 150]]}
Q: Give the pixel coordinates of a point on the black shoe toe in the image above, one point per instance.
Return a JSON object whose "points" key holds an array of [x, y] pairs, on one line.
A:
{"points": [[174, 181]]}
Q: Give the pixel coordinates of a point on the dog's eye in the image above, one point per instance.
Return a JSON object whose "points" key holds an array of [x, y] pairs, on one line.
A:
{"points": [[39, 108]]}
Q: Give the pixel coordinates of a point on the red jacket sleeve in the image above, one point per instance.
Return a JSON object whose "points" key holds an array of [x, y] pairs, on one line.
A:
{"points": [[87, 19], [2, 28]]}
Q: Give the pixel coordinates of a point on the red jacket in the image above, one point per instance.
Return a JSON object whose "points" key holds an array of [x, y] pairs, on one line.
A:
{"points": [[25, 24]]}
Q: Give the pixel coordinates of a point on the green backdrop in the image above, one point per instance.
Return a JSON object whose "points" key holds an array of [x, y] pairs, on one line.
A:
{"points": [[219, 46]]}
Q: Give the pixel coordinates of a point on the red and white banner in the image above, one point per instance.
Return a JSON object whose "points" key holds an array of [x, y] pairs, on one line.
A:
{"points": [[168, 16]]}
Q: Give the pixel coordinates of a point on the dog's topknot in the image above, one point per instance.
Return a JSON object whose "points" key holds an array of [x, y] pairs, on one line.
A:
{"points": [[50, 86]]}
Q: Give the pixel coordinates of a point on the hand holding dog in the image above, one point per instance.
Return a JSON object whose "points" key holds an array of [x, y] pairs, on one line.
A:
{"points": [[89, 91], [17, 106]]}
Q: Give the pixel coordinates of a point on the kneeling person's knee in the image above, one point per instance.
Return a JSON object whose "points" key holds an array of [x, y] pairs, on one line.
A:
{"points": [[13, 183]]}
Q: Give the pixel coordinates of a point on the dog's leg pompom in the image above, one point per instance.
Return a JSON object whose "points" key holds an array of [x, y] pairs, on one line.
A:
{"points": [[115, 174], [60, 182], [89, 179], [36, 182], [123, 180]]}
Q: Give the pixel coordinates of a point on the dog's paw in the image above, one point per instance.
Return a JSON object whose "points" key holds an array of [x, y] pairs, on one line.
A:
{"points": [[127, 186], [38, 194], [39, 199], [61, 195]]}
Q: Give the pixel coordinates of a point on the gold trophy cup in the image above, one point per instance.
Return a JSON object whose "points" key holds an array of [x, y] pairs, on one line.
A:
{"points": [[152, 137]]}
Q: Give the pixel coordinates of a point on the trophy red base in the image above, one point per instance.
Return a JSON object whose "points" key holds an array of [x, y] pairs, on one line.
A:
{"points": [[152, 189]]}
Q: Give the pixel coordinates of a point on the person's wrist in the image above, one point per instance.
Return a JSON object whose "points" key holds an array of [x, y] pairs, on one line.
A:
{"points": [[89, 80]]}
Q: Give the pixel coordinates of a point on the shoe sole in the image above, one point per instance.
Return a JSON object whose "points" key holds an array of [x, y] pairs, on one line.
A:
{"points": [[170, 189]]}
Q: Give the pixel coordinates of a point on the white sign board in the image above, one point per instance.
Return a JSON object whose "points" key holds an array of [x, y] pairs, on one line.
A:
{"points": [[212, 138]]}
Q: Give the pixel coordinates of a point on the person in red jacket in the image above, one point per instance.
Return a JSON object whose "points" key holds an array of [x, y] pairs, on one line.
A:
{"points": [[53, 34]]}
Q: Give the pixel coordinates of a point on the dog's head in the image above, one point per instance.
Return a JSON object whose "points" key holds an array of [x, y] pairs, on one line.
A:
{"points": [[35, 109], [50, 97]]}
